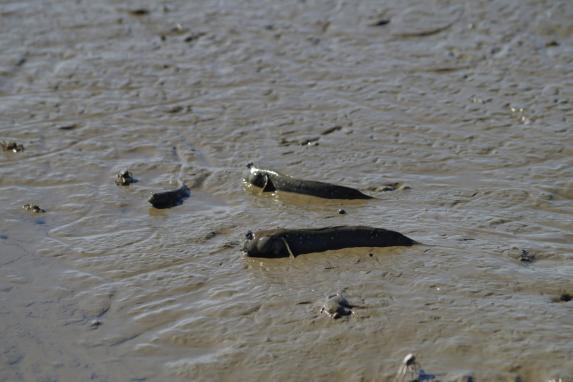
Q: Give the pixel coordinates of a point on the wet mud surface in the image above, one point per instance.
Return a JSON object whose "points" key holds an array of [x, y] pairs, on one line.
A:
{"points": [[468, 103]]}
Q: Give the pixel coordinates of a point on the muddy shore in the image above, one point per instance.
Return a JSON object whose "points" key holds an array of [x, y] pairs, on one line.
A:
{"points": [[467, 103]]}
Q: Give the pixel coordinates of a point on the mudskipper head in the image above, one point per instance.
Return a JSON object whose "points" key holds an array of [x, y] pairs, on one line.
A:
{"points": [[263, 245], [163, 200], [255, 176]]}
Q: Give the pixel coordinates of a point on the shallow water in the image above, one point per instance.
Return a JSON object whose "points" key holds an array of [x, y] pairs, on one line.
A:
{"points": [[468, 103]]}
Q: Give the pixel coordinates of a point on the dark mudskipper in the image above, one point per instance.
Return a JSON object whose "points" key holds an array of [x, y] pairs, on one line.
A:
{"points": [[271, 181], [294, 242], [169, 198]]}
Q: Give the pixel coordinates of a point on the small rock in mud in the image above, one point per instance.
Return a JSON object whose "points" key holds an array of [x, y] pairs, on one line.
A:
{"points": [[33, 208], [564, 297], [12, 146], [194, 36], [72, 126], [124, 178], [523, 255], [309, 142], [175, 109], [341, 211], [336, 306], [331, 130], [138, 12], [526, 257], [380, 23]]}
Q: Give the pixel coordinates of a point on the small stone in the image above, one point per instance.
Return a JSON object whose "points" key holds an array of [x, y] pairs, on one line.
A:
{"points": [[33, 208], [175, 109], [12, 146], [124, 178], [72, 126], [341, 211], [565, 297], [194, 36], [309, 142], [331, 130], [139, 12], [336, 306], [526, 257], [380, 23]]}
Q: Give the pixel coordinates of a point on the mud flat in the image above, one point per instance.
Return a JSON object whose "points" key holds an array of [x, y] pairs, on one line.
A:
{"points": [[469, 104]]}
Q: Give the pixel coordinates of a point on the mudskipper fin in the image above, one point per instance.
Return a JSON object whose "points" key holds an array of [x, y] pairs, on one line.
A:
{"points": [[288, 248], [268, 186]]}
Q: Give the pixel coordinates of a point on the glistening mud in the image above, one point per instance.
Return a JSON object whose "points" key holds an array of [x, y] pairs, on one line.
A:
{"points": [[468, 103]]}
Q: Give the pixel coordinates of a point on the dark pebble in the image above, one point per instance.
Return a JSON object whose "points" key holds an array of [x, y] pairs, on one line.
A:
{"points": [[73, 126], [124, 178], [12, 146], [139, 12], [563, 297], [331, 130], [526, 257], [194, 36], [380, 23], [33, 208], [175, 109], [341, 211], [309, 142]]}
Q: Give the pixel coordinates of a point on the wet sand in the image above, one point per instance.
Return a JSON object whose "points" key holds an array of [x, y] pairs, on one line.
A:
{"points": [[470, 104]]}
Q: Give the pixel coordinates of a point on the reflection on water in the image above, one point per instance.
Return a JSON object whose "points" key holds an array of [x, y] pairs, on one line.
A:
{"points": [[469, 104]]}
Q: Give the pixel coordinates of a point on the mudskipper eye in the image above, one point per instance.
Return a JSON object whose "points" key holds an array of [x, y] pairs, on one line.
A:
{"points": [[249, 235]]}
